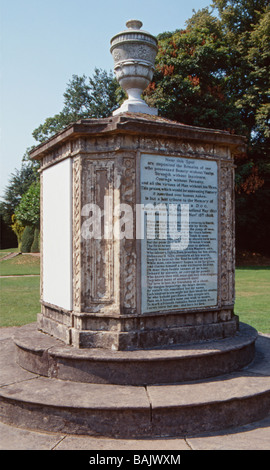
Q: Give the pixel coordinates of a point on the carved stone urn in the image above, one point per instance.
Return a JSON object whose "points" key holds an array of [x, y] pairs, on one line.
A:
{"points": [[134, 53]]}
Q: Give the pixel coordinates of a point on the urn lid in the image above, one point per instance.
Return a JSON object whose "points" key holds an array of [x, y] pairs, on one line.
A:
{"points": [[133, 34]]}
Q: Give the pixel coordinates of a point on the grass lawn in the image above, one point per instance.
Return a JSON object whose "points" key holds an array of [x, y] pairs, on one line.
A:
{"points": [[21, 264], [7, 251], [252, 304], [19, 296], [19, 299]]}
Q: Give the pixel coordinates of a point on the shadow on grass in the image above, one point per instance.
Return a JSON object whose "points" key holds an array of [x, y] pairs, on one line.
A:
{"points": [[252, 268]]}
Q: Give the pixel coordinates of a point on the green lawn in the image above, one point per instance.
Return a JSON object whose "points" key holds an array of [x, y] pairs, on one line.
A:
{"points": [[19, 296], [7, 251], [252, 304], [21, 264], [19, 300]]}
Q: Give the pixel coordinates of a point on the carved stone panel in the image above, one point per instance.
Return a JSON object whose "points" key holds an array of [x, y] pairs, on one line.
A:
{"points": [[98, 249]]}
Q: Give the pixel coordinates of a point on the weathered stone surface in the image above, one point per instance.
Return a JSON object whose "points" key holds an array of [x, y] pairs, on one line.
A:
{"points": [[136, 130], [12, 438], [61, 406], [204, 405], [255, 436], [107, 281], [87, 443], [10, 370], [30, 401], [76, 408], [134, 53], [47, 356]]}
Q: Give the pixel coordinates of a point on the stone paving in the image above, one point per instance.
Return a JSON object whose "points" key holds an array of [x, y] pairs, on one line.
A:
{"points": [[255, 436]]}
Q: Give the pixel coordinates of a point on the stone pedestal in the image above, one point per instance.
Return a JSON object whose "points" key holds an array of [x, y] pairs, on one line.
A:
{"points": [[137, 337], [103, 284]]}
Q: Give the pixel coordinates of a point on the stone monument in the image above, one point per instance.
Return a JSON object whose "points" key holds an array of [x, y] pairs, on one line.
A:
{"points": [[137, 278], [104, 286]]}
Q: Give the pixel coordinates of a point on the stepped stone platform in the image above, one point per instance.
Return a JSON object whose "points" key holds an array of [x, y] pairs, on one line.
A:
{"points": [[44, 355], [50, 397]]}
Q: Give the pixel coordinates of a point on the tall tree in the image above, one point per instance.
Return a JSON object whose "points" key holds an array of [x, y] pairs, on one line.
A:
{"points": [[190, 84], [246, 26], [28, 211], [18, 184]]}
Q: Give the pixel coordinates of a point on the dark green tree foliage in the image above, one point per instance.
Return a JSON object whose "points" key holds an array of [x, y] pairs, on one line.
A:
{"points": [[239, 16], [190, 84], [246, 26], [27, 239], [35, 247], [28, 211], [19, 183], [28, 214]]}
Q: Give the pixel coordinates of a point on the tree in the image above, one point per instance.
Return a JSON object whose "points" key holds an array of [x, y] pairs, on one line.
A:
{"points": [[18, 184], [26, 219], [96, 97], [18, 228], [28, 210], [190, 83], [246, 26]]}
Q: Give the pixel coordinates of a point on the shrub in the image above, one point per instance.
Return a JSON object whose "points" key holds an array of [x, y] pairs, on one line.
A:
{"points": [[27, 239], [18, 229], [35, 244]]}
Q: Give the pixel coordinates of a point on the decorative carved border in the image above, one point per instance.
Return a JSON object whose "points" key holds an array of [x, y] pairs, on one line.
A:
{"points": [[128, 247], [77, 234], [41, 237], [227, 235], [100, 146]]}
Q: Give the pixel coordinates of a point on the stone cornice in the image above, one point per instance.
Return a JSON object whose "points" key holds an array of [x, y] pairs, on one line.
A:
{"points": [[138, 124]]}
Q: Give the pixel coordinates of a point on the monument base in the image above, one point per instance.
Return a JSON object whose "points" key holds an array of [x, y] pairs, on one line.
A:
{"points": [[136, 394], [45, 355], [131, 332]]}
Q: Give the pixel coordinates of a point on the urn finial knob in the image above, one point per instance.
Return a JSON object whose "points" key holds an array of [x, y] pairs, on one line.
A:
{"points": [[134, 24], [134, 52]]}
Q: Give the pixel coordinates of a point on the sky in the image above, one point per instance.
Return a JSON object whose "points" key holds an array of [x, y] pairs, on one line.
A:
{"points": [[44, 42]]}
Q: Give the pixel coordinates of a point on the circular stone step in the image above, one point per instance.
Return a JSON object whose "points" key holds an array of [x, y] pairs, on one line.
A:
{"points": [[123, 411], [42, 354]]}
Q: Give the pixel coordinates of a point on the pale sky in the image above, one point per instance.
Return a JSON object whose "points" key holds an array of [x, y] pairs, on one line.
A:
{"points": [[45, 42]]}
